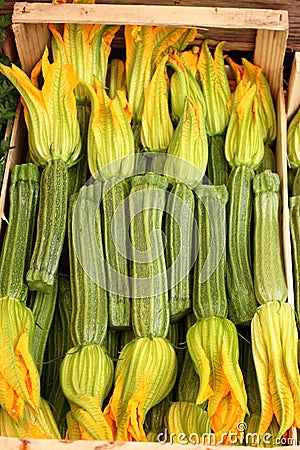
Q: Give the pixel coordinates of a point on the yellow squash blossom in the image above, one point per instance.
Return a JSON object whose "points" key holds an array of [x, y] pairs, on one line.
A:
{"points": [[86, 377], [145, 374], [213, 346], [19, 378], [50, 113]]}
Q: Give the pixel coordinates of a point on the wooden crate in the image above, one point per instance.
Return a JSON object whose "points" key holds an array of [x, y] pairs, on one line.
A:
{"points": [[270, 32]]}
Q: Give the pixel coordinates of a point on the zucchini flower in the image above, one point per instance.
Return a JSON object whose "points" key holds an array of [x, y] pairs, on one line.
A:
{"points": [[86, 48], [110, 137], [274, 346], [86, 376], [48, 137], [215, 88], [157, 127], [255, 75], [187, 153], [145, 375], [19, 378], [213, 346], [244, 144]]}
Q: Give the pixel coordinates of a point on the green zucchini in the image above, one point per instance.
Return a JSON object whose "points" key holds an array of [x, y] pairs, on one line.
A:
{"points": [[111, 343], [188, 385], [269, 277], [114, 228], [126, 336], [150, 303], [89, 299], [51, 226], [295, 238], [179, 246], [43, 307], [154, 421], [59, 342], [242, 303], [268, 161], [217, 165], [209, 294], [16, 249], [250, 378]]}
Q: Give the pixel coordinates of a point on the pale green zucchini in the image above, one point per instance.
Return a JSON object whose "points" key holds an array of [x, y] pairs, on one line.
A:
{"points": [[209, 295], [89, 299], [242, 303], [179, 247], [269, 277], [295, 235], [150, 303], [114, 228], [268, 161]]}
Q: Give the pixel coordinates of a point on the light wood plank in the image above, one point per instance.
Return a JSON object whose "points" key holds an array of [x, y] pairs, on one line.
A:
{"points": [[281, 160], [269, 54], [30, 42], [16, 155], [150, 15], [293, 93]]}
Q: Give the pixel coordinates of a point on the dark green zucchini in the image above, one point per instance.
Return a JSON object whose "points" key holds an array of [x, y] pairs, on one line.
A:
{"points": [[268, 162], [115, 220], [179, 247], [217, 165], [209, 295], [43, 307], [51, 226], [269, 277], [242, 303], [295, 235], [150, 303], [16, 248], [87, 273]]}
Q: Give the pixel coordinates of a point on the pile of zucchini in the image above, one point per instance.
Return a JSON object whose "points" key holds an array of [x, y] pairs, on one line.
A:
{"points": [[145, 238]]}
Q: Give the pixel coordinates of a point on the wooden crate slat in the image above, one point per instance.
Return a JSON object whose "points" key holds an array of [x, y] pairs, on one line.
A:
{"points": [[30, 43], [149, 15], [269, 54], [281, 161]]}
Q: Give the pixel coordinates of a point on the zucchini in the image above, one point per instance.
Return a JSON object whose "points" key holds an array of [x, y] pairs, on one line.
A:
{"points": [[179, 233], [16, 249], [51, 226], [111, 343], [269, 277], [209, 294], [250, 378], [217, 166], [89, 317], [114, 226], [150, 303], [240, 287], [268, 162], [43, 307], [295, 237]]}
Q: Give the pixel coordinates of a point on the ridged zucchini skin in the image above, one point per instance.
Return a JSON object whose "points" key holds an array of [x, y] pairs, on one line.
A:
{"points": [[269, 277], [150, 310], [16, 248], [217, 166], [295, 235], [114, 194], [268, 162], [89, 317], [179, 244], [43, 307], [250, 378], [242, 303], [209, 294], [51, 226], [59, 342]]}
